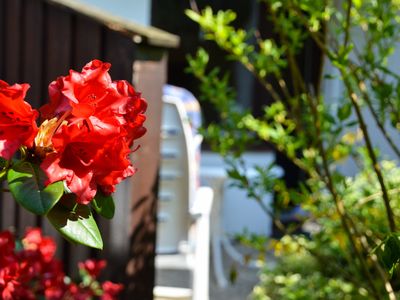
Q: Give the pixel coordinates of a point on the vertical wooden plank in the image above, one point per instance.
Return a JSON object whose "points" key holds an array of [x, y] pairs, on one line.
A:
{"points": [[3, 210], [8, 210], [29, 40], [149, 78], [12, 40], [32, 52], [88, 41], [2, 31], [56, 62], [26, 219], [119, 51], [48, 230], [58, 39], [12, 35]]}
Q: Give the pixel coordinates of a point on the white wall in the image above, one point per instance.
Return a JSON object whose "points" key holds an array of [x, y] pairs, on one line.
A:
{"points": [[236, 212], [134, 10]]}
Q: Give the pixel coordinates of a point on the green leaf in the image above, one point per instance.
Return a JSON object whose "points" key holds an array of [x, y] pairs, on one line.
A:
{"points": [[357, 3], [351, 123], [192, 15], [75, 222], [390, 255], [235, 174], [26, 183], [104, 205], [344, 111]]}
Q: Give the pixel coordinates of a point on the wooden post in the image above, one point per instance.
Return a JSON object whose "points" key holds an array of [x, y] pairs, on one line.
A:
{"points": [[149, 78]]}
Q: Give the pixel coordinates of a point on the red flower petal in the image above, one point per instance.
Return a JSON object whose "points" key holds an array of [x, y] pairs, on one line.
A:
{"points": [[17, 119]]}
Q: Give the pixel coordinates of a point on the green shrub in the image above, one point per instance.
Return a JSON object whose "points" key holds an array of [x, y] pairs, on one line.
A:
{"points": [[356, 251]]}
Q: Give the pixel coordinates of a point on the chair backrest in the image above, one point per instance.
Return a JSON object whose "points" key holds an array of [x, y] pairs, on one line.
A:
{"points": [[177, 176]]}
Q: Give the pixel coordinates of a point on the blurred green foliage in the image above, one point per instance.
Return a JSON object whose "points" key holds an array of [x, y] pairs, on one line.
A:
{"points": [[354, 250]]}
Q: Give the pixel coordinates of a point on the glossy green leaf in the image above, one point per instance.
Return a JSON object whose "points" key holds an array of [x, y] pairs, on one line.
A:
{"points": [[104, 205], [75, 222], [344, 111], [26, 183]]}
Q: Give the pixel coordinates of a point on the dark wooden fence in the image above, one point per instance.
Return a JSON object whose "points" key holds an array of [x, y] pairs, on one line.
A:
{"points": [[41, 40]]}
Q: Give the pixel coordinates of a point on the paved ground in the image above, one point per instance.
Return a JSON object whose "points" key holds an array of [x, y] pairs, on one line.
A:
{"points": [[240, 290]]}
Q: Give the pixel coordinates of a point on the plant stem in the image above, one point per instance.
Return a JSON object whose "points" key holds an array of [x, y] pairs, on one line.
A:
{"points": [[362, 88], [340, 207], [347, 24], [365, 200], [268, 86], [297, 79], [354, 100], [22, 150], [381, 272]]}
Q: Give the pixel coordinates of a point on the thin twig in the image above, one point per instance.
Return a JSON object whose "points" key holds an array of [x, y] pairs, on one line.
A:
{"points": [[194, 6], [375, 165], [354, 100], [340, 207], [362, 88], [374, 196], [347, 25]]}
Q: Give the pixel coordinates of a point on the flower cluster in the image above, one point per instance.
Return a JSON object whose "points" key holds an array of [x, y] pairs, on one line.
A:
{"points": [[69, 165], [17, 118], [87, 129], [33, 272]]}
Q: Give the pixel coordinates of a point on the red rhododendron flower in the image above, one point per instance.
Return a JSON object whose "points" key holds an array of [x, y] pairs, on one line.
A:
{"points": [[17, 119], [133, 117], [100, 119], [8, 282], [54, 293], [86, 159], [7, 244], [79, 93], [93, 267], [76, 292], [33, 272], [92, 95], [34, 240], [111, 290]]}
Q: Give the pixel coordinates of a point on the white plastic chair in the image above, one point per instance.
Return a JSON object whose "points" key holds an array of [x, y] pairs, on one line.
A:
{"points": [[183, 230]]}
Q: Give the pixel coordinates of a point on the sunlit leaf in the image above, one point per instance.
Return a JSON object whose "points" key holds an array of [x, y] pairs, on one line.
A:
{"points": [[75, 222]]}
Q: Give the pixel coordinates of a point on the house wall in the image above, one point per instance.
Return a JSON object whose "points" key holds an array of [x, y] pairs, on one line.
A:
{"points": [[236, 212]]}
